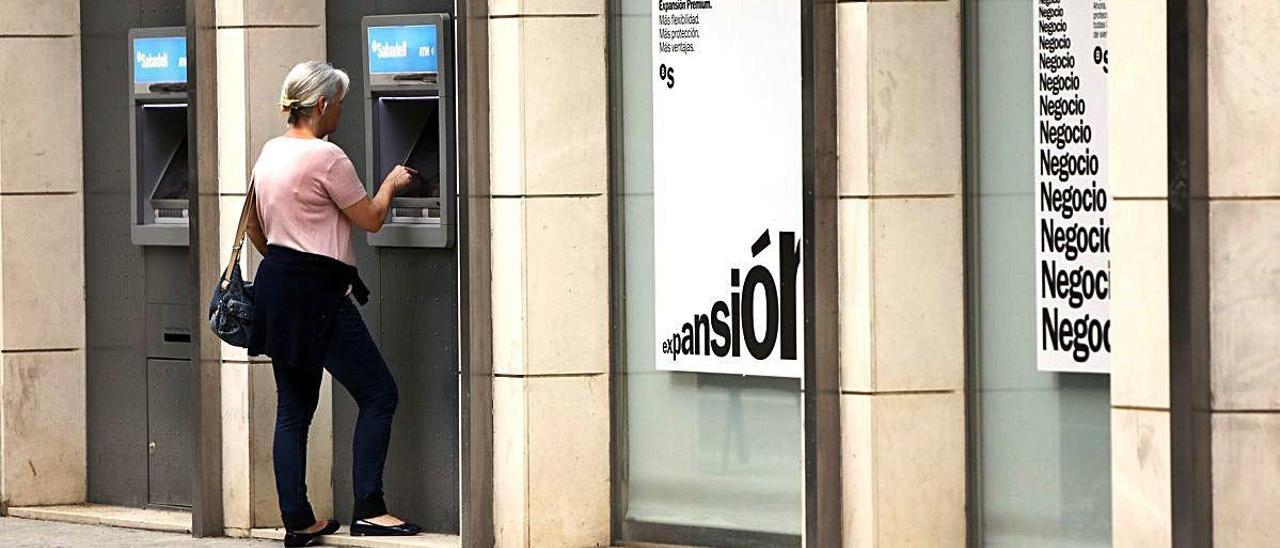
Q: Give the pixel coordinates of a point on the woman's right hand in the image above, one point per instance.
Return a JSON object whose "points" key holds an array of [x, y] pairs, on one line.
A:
{"points": [[399, 177]]}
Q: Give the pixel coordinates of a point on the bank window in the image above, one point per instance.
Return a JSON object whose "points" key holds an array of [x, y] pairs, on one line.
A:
{"points": [[1041, 444], [707, 458]]}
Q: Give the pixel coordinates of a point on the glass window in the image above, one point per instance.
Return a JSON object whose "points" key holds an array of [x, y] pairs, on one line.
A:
{"points": [[720, 453], [1042, 439]]}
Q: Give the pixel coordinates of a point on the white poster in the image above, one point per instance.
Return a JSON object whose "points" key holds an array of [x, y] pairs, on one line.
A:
{"points": [[728, 187], [1073, 237]]}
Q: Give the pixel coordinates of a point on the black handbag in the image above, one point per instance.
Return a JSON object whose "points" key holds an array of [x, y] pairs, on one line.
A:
{"points": [[231, 309]]}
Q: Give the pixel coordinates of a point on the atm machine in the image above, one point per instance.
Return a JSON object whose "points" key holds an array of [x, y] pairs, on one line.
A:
{"points": [[158, 136], [408, 106], [159, 212]]}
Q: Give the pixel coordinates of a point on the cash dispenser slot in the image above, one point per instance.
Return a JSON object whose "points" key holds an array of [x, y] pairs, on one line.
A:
{"points": [[409, 134], [168, 87], [168, 331], [176, 337], [427, 77]]}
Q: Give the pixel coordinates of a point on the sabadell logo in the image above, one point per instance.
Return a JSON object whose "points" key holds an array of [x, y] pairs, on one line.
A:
{"points": [[731, 323], [159, 60], [390, 51]]}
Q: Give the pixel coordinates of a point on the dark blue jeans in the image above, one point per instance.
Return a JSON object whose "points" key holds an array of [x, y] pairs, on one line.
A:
{"points": [[353, 360]]}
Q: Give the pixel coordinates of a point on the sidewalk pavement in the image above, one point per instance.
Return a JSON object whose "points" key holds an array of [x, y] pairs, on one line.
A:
{"points": [[23, 533]]}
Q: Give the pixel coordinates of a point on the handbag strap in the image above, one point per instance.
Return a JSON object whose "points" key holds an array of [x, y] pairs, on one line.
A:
{"points": [[249, 202]]}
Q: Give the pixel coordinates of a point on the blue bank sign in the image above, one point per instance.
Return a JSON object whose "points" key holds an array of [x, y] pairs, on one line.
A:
{"points": [[411, 48], [160, 60]]}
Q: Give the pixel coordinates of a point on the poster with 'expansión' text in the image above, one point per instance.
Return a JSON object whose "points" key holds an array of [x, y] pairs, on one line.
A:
{"points": [[727, 176]]}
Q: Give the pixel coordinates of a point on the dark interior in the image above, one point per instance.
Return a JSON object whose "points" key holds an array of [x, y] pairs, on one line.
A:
{"points": [[408, 132], [173, 180], [162, 156]]}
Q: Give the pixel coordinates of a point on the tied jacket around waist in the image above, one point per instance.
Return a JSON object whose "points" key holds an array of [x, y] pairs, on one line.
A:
{"points": [[295, 297]]}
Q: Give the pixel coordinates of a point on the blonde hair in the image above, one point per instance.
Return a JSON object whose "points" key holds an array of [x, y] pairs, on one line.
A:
{"points": [[306, 83]]}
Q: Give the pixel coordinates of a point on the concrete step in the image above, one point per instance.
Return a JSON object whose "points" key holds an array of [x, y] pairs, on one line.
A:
{"points": [[342, 538], [172, 521]]}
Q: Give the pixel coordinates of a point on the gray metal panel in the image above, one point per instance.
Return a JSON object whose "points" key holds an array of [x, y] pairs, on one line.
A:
{"points": [[422, 469], [168, 276], [116, 399], [169, 435], [160, 235], [115, 329], [405, 7], [169, 331], [419, 342], [159, 13], [406, 235]]}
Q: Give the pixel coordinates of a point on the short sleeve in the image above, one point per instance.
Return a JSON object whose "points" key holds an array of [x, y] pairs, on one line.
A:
{"points": [[342, 183]]}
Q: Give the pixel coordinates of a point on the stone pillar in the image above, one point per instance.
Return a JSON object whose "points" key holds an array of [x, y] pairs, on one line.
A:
{"points": [[902, 341], [1140, 426], [550, 272], [1244, 271], [258, 42], [42, 333]]}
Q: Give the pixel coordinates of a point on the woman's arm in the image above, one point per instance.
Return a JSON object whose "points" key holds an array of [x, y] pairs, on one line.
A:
{"points": [[254, 231], [369, 214]]}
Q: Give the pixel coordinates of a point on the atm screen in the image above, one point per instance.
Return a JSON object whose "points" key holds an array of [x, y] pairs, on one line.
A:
{"points": [[172, 184], [160, 59], [404, 49]]}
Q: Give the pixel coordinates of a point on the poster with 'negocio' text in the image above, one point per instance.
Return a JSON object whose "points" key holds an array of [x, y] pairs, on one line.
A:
{"points": [[1073, 234]]}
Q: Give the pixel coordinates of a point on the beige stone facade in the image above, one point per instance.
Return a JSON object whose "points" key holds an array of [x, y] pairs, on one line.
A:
{"points": [[257, 44], [42, 377], [901, 147], [1243, 200], [548, 126], [901, 157], [1140, 455]]}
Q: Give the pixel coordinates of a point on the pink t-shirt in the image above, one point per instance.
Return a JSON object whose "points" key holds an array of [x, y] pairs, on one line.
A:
{"points": [[302, 187]]}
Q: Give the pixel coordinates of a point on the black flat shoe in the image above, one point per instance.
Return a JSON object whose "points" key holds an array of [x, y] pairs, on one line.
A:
{"points": [[292, 539], [362, 528]]}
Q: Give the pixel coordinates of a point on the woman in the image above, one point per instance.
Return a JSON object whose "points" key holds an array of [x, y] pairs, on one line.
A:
{"points": [[308, 196]]}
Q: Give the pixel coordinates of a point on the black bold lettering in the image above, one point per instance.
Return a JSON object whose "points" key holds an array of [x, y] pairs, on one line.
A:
{"points": [[758, 276], [788, 264], [720, 346], [701, 334]]}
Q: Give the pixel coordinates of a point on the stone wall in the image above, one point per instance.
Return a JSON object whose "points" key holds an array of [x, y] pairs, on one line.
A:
{"points": [[902, 342], [42, 315]]}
